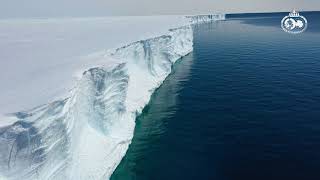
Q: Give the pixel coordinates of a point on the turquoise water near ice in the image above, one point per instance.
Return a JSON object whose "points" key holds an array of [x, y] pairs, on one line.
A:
{"points": [[244, 105]]}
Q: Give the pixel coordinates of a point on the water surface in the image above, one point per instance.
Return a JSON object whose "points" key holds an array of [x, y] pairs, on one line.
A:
{"points": [[244, 105]]}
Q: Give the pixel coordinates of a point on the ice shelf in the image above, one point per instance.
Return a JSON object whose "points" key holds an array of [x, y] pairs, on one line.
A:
{"points": [[84, 92]]}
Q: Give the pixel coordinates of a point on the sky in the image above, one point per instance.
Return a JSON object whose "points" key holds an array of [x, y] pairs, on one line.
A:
{"points": [[84, 8]]}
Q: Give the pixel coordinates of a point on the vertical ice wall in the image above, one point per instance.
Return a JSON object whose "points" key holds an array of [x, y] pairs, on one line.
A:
{"points": [[206, 18]]}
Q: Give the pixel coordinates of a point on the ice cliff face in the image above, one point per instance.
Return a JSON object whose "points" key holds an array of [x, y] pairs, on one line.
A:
{"points": [[85, 135], [206, 18]]}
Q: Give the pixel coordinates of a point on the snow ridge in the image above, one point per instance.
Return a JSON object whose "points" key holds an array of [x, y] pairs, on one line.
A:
{"points": [[85, 135]]}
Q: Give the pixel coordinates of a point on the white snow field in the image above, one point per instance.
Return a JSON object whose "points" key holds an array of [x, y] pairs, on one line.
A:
{"points": [[71, 90]]}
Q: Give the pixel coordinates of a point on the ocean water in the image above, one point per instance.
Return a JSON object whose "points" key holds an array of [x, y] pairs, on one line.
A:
{"points": [[245, 105]]}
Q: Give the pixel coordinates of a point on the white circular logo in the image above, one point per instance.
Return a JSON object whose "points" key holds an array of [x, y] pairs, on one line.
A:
{"points": [[294, 23]]}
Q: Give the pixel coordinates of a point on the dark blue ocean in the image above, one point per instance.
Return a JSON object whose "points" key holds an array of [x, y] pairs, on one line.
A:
{"points": [[245, 105]]}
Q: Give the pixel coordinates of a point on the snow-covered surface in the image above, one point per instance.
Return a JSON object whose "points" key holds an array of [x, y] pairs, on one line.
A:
{"points": [[71, 90], [39, 59]]}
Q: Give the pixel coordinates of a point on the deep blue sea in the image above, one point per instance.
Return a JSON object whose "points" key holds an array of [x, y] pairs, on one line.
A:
{"points": [[245, 105]]}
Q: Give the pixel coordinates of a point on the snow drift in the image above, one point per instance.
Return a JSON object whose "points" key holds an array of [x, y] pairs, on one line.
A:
{"points": [[86, 134]]}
